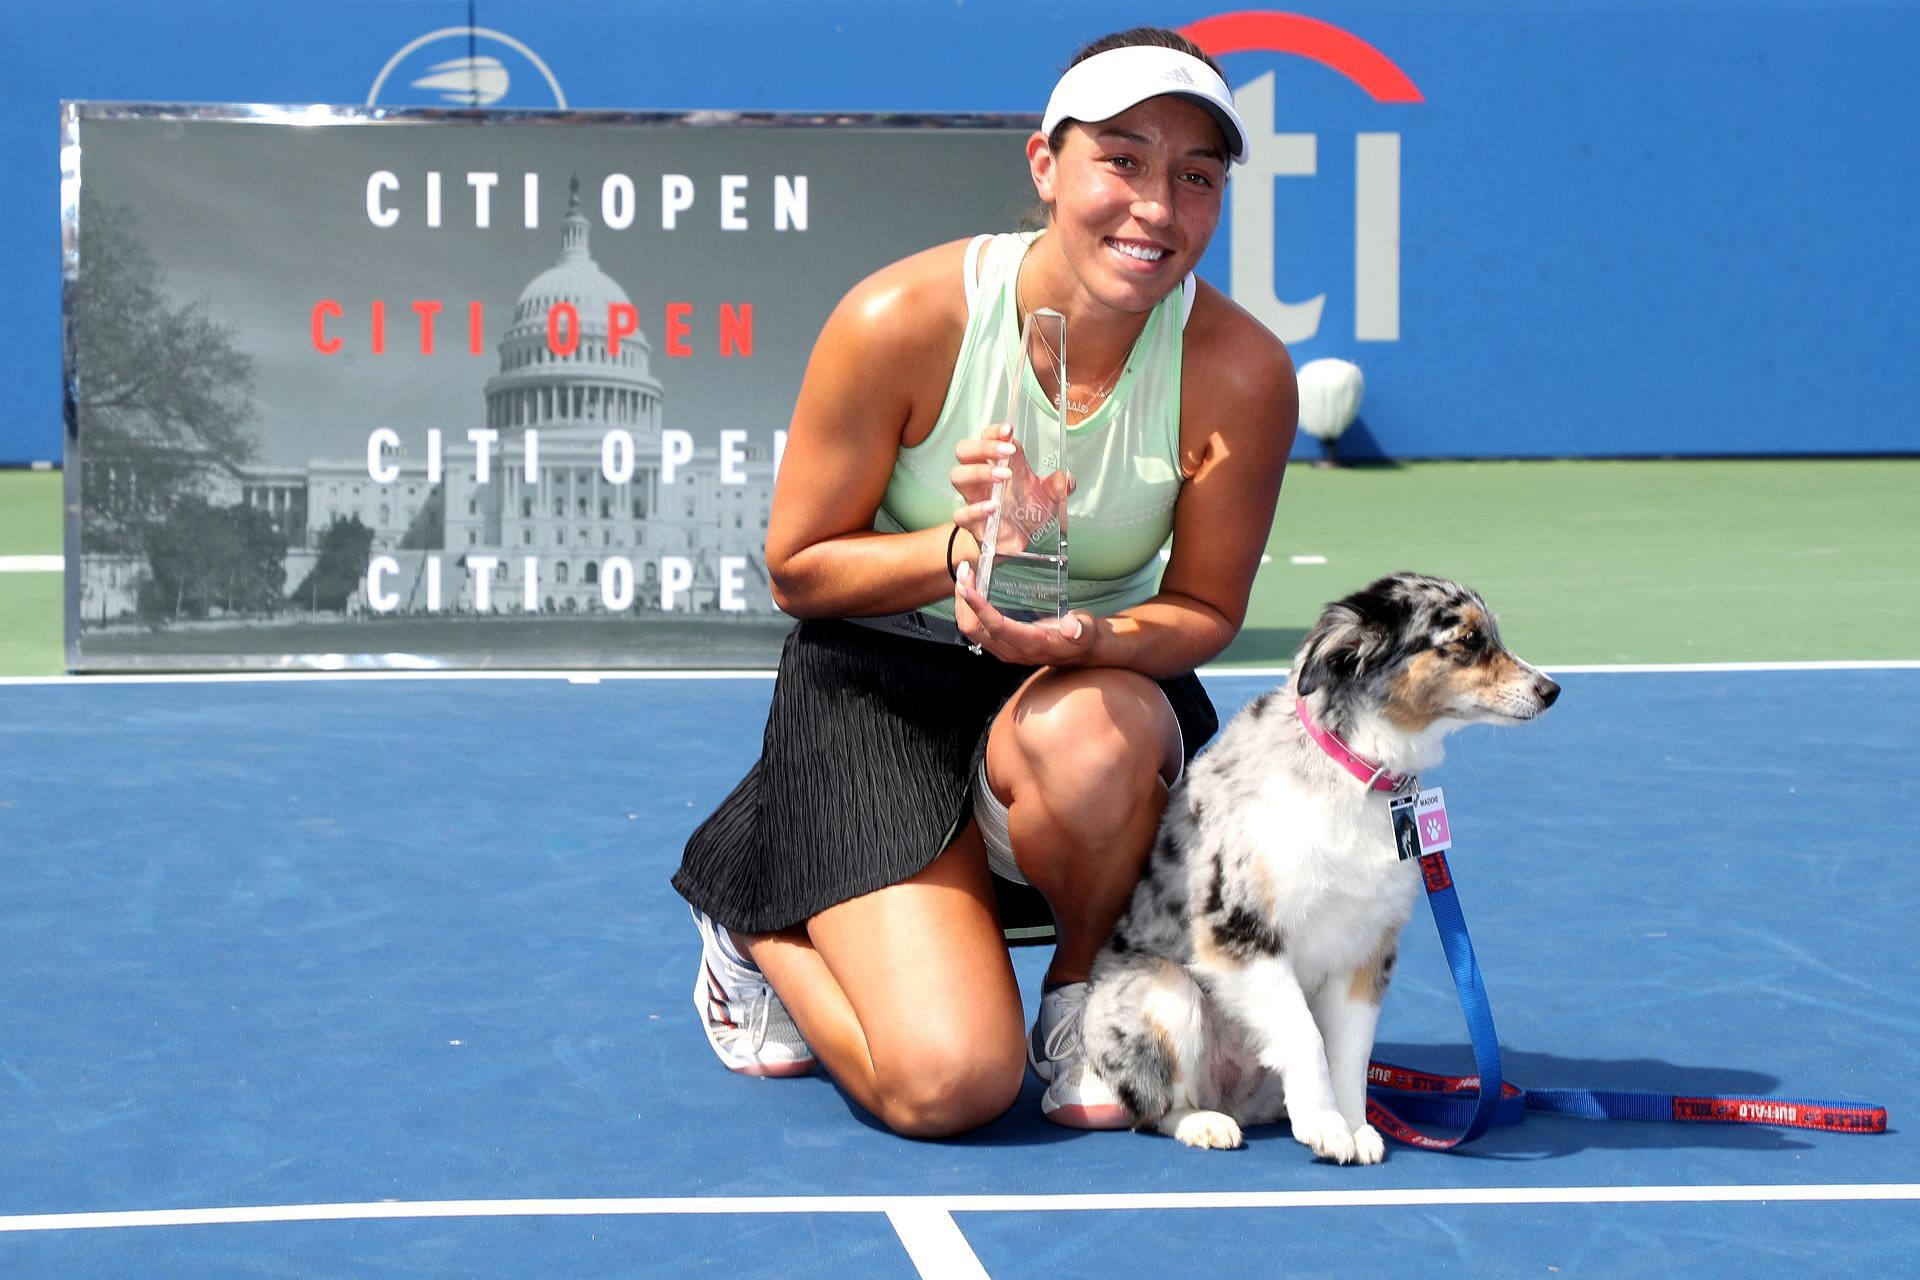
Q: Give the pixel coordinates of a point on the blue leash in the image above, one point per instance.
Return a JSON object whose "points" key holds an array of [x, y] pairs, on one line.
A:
{"points": [[1397, 1096]]}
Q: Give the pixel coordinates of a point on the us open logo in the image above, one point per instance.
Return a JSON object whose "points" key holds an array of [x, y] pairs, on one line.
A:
{"points": [[466, 67], [1376, 169]]}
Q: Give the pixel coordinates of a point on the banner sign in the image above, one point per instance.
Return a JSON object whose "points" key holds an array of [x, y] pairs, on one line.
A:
{"points": [[416, 388]]}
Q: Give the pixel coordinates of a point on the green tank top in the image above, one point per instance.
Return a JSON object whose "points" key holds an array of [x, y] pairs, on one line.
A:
{"points": [[1124, 457]]}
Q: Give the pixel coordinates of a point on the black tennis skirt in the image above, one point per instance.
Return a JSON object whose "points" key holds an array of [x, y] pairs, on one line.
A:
{"points": [[865, 775]]}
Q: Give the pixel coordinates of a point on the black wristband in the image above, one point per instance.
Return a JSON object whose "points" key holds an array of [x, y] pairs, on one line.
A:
{"points": [[951, 539]]}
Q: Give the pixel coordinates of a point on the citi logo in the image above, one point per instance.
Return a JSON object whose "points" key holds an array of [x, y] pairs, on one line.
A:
{"points": [[1376, 194]]}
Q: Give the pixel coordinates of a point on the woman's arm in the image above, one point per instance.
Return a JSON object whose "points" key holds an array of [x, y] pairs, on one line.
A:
{"points": [[1239, 408], [877, 378]]}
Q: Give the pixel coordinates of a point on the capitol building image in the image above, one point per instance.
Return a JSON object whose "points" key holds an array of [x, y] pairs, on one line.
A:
{"points": [[619, 513], [610, 516]]}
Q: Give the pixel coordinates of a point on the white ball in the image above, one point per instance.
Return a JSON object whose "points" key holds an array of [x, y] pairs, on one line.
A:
{"points": [[1330, 392]]}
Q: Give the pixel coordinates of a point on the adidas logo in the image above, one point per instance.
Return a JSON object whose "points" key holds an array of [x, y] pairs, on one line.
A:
{"points": [[1179, 75]]}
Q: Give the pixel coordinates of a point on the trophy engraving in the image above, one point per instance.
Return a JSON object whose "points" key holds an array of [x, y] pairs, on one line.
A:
{"points": [[1022, 570]]}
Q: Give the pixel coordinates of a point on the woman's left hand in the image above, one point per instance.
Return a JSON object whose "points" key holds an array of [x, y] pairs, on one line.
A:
{"points": [[1067, 642]]}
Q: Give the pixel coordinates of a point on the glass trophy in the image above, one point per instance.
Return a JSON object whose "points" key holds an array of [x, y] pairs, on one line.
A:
{"points": [[1022, 569]]}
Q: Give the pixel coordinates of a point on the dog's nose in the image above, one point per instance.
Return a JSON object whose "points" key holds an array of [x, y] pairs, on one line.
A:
{"points": [[1547, 689]]}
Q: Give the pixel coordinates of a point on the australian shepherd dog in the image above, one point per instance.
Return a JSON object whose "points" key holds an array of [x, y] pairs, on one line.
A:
{"points": [[1243, 983]]}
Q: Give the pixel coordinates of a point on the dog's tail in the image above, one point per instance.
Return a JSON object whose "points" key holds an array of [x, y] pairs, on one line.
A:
{"points": [[1145, 1033]]}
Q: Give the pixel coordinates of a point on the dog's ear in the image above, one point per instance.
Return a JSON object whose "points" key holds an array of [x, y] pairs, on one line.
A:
{"points": [[1352, 637], [1336, 650], [1312, 668]]}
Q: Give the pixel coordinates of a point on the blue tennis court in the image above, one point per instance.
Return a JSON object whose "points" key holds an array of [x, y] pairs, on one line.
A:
{"points": [[383, 976]]}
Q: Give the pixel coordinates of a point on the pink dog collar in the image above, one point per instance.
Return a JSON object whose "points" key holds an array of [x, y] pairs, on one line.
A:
{"points": [[1374, 775]]}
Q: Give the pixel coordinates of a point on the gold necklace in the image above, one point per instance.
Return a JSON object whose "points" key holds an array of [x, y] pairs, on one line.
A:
{"points": [[1099, 393], [1105, 387]]}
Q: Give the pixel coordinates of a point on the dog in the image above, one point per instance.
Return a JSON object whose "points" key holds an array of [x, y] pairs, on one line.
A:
{"points": [[1242, 984]]}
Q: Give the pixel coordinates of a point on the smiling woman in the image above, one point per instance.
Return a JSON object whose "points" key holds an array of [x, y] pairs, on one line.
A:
{"points": [[918, 803]]}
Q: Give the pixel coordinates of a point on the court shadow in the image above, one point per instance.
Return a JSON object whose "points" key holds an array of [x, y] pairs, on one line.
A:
{"points": [[1537, 1137], [1546, 1137], [1357, 447], [1021, 1126]]}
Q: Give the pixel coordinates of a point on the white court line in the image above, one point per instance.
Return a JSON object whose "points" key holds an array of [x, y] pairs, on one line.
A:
{"points": [[916, 1210], [32, 564], [108, 680], [934, 1243]]}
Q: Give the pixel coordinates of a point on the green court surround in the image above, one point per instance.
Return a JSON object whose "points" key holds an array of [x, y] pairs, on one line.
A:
{"points": [[1585, 562]]}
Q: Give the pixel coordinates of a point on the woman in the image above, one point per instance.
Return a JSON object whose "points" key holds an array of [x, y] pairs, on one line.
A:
{"points": [[914, 797]]}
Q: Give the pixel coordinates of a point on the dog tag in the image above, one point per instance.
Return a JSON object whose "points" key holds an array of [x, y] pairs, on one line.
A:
{"points": [[1406, 832], [1430, 818]]}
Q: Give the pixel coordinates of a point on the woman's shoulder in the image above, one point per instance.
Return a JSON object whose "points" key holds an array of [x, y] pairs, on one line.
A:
{"points": [[895, 336], [921, 295], [1230, 351], [1238, 396]]}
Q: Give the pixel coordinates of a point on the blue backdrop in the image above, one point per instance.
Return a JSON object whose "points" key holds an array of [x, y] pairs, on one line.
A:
{"points": [[1583, 229]]}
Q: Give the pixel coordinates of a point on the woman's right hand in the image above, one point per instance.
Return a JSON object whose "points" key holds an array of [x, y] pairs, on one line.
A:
{"points": [[1030, 500]]}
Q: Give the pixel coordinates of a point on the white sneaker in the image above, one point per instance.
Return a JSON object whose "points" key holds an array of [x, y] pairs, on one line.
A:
{"points": [[1075, 1097], [749, 1029]]}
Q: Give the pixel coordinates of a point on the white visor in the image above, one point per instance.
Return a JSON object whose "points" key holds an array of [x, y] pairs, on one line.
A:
{"points": [[1103, 86]]}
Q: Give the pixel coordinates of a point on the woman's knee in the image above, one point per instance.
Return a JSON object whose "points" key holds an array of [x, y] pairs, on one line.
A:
{"points": [[938, 1093], [1096, 725]]}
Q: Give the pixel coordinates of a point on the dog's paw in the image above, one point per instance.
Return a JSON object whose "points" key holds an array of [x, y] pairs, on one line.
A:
{"points": [[1326, 1134], [1211, 1130], [1368, 1146]]}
